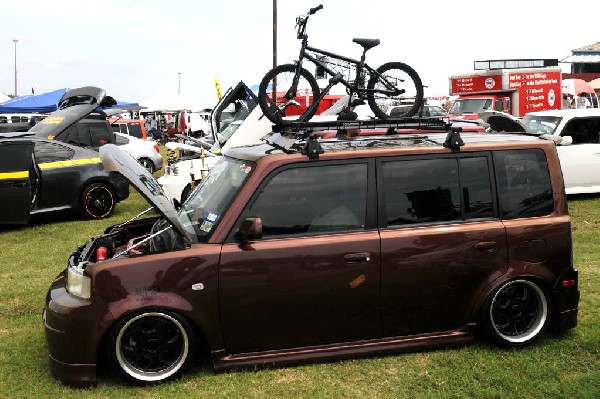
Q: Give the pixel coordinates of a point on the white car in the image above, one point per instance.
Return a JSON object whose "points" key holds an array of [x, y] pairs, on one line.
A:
{"points": [[238, 113], [577, 134], [146, 152]]}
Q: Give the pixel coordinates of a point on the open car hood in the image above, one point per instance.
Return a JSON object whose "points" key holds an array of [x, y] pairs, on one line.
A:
{"points": [[115, 159], [502, 122], [74, 105]]}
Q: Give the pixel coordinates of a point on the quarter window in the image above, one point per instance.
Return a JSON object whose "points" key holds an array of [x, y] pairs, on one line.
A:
{"points": [[50, 152], [524, 186]]}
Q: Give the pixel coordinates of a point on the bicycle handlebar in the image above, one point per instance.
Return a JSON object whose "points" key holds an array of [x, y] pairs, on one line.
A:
{"points": [[301, 21], [315, 9]]}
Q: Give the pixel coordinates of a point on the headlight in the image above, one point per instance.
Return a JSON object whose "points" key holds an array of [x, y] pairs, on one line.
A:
{"points": [[78, 284]]}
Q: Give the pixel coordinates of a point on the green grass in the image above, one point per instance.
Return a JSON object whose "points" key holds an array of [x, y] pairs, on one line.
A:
{"points": [[565, 366]]}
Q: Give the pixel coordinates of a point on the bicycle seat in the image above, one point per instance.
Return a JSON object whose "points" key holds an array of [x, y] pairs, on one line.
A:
{"points": [[367, 43]]}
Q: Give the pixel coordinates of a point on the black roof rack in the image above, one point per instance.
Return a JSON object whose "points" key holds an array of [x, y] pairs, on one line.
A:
{"points": [[290, 136]]}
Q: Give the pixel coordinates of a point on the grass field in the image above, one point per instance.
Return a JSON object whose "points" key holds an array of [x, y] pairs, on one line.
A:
{"points": [[565, 366]]}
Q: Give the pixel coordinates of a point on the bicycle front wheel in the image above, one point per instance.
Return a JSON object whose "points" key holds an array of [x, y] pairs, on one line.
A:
{"points": [[395, 91], [292, 105]]}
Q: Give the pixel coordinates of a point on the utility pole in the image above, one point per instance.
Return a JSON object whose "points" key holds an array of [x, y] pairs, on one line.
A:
{"points": [[179, 84], [15, 40], [274, 88]]}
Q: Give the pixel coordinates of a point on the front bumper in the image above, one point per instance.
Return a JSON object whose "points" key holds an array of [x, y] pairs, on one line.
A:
{"points": [[73, 328]]}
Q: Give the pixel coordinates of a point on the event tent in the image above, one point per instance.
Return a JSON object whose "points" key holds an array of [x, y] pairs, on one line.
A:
{"points": [[33, 103], [48, 102], [170, 103]]}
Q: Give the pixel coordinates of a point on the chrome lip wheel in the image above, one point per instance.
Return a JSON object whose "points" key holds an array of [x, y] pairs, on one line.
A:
{"points": [[152, 346], [519, 311]]}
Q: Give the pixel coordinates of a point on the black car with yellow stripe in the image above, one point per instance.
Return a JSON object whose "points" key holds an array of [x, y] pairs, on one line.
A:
{"points": [[39, 175]]}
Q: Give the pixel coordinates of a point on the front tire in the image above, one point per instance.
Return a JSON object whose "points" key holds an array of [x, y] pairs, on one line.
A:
{"points": [[283, 76], [517, 313], [402, 77], [151, 346], [148, 165], [98, 201]]}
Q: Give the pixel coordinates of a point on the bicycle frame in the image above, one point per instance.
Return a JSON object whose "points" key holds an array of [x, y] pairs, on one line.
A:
{"points": [[358, 86]]}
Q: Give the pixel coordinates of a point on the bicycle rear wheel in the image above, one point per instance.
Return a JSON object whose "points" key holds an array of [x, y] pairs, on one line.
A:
{"points": [[281, 78], [395, 76]]}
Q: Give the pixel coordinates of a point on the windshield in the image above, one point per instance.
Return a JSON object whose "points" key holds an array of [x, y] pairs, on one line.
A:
{"points": [[208, 203], [536, 124], [471, 106]]}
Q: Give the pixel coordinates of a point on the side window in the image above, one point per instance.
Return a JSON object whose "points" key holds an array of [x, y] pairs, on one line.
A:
{"points": [[313, 200], [50, 152], [583, 130], [421, 191], [135, 130], [523, 180], [100, 134], [116, 127], [476, 188]]}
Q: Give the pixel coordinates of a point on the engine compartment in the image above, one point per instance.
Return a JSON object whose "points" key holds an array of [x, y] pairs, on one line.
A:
{"points": [[134, 238]]}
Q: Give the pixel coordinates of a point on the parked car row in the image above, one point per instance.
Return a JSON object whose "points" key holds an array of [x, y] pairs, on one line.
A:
{"points": [[54, 165]]}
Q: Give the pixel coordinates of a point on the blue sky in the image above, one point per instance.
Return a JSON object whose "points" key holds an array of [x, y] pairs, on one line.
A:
{"points": [[136, 49]]}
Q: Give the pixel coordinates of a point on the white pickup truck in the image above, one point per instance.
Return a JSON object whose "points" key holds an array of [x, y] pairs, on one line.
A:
{"points": [[577, 135]]}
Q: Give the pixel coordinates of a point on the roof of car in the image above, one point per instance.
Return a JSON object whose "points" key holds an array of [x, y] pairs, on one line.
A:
{"points": [[409, 142], [568, 112]]}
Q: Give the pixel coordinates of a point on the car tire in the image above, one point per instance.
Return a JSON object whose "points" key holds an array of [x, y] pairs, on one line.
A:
{"points": [[151, 346], [147, 164], [516, 313], [98, 201]]}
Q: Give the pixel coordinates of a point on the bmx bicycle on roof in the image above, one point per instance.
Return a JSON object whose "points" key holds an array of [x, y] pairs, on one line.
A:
{"points": [[392, 84]]}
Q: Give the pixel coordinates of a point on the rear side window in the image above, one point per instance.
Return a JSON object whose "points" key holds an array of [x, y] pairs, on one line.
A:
{"points": [[436, 190], [135, 130], [51, 152], [524, 187]]}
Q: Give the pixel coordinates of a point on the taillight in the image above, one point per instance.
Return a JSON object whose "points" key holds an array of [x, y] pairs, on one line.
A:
{"points": [[569, 283], [156, 148]]}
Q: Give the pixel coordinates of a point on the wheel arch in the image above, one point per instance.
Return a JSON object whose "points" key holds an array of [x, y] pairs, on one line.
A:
{"points": [[169, 303]]}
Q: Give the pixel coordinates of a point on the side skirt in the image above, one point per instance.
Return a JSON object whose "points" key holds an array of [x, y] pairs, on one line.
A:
{"points": [[223, 361]]}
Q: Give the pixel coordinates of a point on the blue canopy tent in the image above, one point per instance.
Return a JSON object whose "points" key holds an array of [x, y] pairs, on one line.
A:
{"points": [[41, 103], [48, 102]]}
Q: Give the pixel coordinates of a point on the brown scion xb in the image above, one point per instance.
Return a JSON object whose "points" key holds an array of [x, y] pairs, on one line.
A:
{"points": [[297, 250]]}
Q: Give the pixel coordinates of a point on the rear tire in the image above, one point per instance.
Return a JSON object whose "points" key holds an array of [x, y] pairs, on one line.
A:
{"points": [[98, 201], [403, 77], [151, 346], [517, 313], [283, 75]]}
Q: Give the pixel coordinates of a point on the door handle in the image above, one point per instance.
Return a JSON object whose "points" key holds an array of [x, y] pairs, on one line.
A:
{"points": [[357, 257], [486, 246]]}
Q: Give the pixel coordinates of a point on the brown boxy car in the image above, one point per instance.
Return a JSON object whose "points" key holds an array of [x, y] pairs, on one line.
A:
{"points": [[362, 247]]}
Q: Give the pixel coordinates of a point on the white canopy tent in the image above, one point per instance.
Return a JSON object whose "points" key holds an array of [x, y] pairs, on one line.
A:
{"points": [[170, 103]]}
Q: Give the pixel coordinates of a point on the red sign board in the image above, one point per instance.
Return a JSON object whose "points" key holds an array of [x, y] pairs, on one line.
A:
{"points": [[476, 84], [537, 90]]}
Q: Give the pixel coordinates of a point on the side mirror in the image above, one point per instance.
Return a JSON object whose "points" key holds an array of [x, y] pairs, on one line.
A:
{"points": [[566, 140], [250, 229]]}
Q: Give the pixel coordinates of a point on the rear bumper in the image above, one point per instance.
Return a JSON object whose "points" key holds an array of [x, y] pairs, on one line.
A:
{"points": [[566, 306]]}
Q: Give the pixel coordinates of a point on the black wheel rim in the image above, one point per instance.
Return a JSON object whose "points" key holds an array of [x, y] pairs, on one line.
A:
{"points": [[519, 311], [147, 165], [152, 347], [99, 202]]}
